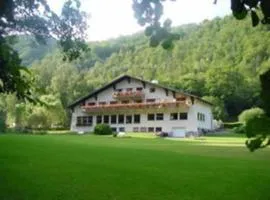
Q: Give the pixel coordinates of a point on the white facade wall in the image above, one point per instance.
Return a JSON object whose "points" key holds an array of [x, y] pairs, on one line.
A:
{"points": [[205, 109], [192, 124]]}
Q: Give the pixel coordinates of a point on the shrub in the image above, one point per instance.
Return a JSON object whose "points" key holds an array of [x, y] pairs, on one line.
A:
{"points": [[240, 129], [103, 129], [232, 125], [250, 114], [258, 132], [39, 132], [2, 122], [2, 126], [258, 126]]}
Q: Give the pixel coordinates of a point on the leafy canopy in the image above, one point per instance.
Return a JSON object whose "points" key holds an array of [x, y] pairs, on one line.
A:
{"points": [[149, 12], [36, 18], [258, 128]]}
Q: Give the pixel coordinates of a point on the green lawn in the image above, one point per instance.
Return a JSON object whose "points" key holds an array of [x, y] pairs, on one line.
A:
{"points": [[94, 167]]}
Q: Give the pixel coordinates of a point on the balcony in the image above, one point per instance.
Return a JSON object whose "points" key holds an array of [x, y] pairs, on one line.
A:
{"points": [[127, 95], [135, 106]]}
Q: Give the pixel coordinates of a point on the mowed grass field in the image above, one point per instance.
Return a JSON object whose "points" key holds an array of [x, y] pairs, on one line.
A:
{"points": [[95, 168]]}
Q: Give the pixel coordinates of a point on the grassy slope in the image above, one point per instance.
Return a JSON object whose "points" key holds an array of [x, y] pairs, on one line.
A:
{"points": [[91, 167]]}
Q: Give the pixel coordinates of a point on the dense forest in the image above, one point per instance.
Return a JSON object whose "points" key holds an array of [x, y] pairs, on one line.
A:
{"points": [[220, 60]]}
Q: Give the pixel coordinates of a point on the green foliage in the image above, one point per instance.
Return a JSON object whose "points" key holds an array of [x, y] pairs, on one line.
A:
{"points": [[258, 126], [149, 14], [103, 129], [232, 125], [13, 77], [23, 16], [21, 114], [2, 122], [250, 114], [265, 93], [258, 132], [240, 129], [219, 111], [240, 9], [30, 50], [37, 119]]}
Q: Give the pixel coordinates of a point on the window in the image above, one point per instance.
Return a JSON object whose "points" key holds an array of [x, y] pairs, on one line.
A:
{"points": [[113, 119], [113, 102], [91, 104], [137, 119], [183, 116], [114, 129], [89, 120], [99, 119], [102, 103], [203, 117], [106, 119], [174, 116], [159, 116], [135, 129], [151, 129], [151, 117], [158, 129], [79, 121], [150, 100], [118, 90], [84, 121], [152, 90], [200, 117], [83, 103], [143, 129], [129, 89], [128, 119], [122, 129], [121, 119], [139, 89], [125, 102]]}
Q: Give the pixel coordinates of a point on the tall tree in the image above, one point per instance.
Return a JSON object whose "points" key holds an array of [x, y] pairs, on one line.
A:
{"points": [[35, 17]]}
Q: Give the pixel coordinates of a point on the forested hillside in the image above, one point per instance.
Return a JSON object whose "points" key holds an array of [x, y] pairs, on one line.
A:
{"points": [[219, 60], [31, 51]]}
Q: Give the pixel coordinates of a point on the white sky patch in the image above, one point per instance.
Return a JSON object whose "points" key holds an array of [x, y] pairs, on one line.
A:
{"points": [[113, 18]]}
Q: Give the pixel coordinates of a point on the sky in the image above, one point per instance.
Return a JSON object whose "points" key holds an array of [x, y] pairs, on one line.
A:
{"points": [[113, 18]]}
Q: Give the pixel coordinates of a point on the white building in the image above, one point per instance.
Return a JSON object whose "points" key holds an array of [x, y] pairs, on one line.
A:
{"points": [[134, 105]]}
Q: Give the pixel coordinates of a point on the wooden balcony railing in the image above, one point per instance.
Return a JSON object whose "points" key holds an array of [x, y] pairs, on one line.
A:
{"points": [[115, 107], [128, 95]]}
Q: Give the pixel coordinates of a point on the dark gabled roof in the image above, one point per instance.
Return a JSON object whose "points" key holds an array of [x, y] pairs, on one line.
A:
{"points": [[123, 77]]}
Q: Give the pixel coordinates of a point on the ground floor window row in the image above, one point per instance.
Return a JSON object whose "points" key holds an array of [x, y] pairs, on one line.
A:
{"points": [[139, 129], [109, 119], [127, 119], [119, 119]]}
